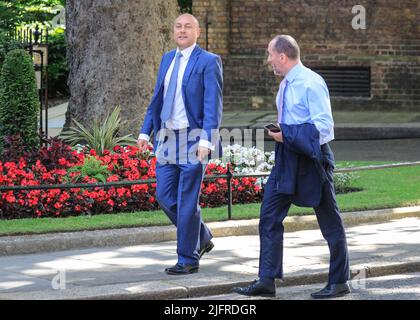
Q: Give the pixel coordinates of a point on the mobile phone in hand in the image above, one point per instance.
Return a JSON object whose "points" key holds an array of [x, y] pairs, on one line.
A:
{"points": [[273, 127]]}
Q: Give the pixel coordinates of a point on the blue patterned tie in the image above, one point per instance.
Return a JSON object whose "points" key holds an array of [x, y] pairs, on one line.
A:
{"points": [[168, 101]]}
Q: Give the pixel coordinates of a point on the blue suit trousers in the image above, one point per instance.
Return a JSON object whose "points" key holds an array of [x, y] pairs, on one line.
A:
{"points": [[177, 192], [274, 210]]}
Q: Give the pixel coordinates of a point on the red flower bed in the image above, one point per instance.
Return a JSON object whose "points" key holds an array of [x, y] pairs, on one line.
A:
{"points": [[214, 193], [123, 165]]}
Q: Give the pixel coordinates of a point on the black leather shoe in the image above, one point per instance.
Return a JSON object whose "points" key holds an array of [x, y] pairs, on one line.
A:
{"points": [[207, 248], [257, 288], [180, 269], [332, 291]]}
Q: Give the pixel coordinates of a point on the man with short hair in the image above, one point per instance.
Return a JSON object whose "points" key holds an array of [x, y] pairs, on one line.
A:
{"points": [[187, 100], [303, 172]]}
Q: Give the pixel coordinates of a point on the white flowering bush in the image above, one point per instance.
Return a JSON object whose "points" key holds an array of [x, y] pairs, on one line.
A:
{"points": [[342, 182], [248, 160]]}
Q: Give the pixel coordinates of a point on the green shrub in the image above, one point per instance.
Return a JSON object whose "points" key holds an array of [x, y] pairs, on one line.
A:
{"points": [[92, 168], [6, 45], [343, 182], [58, 69], [19, 101]]}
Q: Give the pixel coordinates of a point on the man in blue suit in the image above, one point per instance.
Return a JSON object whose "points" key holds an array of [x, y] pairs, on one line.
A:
{"points": [[303, 172], [185, 115]]}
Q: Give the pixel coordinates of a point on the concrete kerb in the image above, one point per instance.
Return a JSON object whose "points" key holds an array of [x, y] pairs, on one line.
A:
{"points": [[16, 245], [125, 291]]}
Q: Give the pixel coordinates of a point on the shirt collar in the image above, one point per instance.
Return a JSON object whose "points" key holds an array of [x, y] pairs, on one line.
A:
{"points": [[186, 53], [291, 75]]}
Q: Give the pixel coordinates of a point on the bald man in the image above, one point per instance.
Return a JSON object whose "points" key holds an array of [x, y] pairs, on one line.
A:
{"points": [[185, 115], [303, 172]]}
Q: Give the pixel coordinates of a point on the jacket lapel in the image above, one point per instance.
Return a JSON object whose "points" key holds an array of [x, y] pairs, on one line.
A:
{"points": [[190, 66], [165, 66]]}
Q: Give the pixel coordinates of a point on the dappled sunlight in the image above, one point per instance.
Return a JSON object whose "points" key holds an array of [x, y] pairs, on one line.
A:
{"points": [[142, 262], [9, 285], [95, 255], [249, 267], [169, 245], [68, 264], [406, 210]]}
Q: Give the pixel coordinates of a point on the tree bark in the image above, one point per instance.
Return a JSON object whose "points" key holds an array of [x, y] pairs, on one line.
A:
{"points": [[114, 51]]}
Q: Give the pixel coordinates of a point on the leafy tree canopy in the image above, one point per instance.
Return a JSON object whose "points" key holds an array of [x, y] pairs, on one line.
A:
{"points": [[15, 12]]}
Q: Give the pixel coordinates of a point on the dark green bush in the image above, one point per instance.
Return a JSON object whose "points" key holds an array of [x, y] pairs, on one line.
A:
{"points": [[23, 14], [58, 69], [6, 45], [19, 101]]}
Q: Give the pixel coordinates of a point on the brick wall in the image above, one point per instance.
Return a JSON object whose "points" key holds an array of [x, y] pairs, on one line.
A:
{"points": [[390, 46]]}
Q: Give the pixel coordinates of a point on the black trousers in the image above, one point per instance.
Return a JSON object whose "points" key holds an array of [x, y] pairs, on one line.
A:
{"points": [[274, 209]]}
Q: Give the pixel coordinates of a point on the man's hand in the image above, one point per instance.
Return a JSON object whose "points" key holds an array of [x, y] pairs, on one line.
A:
{"points": [[202, 153], [142, 144], [278, 136]]}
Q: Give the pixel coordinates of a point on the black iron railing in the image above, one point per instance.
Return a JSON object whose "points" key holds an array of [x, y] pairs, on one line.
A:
{"points": [[229, 177]]}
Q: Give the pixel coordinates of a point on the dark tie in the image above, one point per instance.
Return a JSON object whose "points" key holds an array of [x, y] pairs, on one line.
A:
{"points": [[168, 101]]}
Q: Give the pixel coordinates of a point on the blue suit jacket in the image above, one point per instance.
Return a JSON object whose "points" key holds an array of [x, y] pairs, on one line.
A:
{"points": [[299, 164], [202, 91]]}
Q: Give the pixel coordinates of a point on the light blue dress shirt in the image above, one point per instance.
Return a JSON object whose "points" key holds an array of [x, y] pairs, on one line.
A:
{"points": [[307, 100]]}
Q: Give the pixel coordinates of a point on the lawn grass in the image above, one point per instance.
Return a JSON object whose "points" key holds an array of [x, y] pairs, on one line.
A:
{"points": [[385, 188]]}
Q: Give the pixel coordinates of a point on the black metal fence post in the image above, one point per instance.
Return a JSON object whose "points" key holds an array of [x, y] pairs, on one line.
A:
{"points": [[229, 183], [46, 87], [40, 95], [41, 40]]}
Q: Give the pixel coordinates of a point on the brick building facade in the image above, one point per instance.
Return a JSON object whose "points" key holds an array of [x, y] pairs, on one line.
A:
{"points": [[366, 69]]}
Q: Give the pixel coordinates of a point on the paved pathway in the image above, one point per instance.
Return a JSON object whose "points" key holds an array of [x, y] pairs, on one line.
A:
{"points": [[136, 272]]}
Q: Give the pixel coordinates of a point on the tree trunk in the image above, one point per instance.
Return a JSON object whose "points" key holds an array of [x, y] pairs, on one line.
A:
{"points": [[114, 51]]}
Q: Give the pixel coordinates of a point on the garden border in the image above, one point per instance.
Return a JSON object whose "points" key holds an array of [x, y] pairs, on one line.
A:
{"points": [[229, 176]]}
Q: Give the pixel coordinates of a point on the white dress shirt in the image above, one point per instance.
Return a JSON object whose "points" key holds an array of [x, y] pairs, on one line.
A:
{"points": [[178, 119]]}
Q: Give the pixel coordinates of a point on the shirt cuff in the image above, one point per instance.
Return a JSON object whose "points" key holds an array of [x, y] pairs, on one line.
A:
{"points": [[207, 144], [143, 136]]}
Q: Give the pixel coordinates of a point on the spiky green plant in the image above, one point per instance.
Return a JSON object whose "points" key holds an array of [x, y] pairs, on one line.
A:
{"points": [[99, 137]]}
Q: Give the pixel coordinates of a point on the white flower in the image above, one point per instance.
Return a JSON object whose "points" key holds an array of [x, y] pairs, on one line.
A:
{"points": [[248, 160]]}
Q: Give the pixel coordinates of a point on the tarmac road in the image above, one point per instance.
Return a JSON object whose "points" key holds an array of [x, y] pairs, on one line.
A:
{"points": [[397, 150], [400, 150]]}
